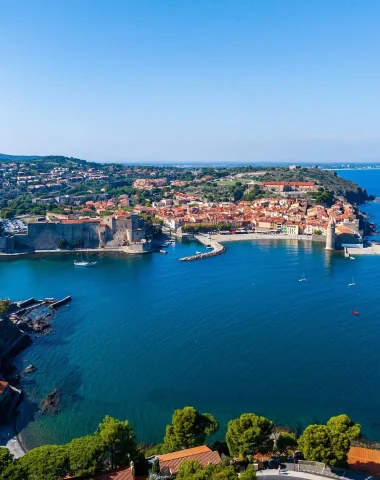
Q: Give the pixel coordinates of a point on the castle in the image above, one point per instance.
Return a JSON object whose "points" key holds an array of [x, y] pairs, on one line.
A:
{"points": [[125, 232]]}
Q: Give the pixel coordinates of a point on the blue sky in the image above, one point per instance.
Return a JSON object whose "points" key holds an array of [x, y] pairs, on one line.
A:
{"points": [[200, 80]]}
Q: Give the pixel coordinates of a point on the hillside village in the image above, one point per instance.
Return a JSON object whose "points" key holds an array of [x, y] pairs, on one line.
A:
{"points": [[99, 198]]}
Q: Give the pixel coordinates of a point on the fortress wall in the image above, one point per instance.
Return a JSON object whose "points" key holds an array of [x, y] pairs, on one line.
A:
{"points": [[45, 236]]}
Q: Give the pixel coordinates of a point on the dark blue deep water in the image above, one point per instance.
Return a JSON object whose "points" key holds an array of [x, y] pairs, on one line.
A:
{"points": [[232, 334]]}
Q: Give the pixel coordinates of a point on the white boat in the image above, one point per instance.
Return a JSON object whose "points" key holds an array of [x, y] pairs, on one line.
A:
{"points": [[209, 247], [198, 253], [352, 284], [83, 263], [303, 279], [352, 258]]}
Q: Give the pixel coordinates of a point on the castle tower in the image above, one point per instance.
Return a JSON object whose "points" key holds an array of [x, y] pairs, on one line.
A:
{"points": [[330, 236]]}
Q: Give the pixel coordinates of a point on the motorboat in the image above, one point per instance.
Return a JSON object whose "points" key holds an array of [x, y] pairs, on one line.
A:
{"points": [[84, 263]]}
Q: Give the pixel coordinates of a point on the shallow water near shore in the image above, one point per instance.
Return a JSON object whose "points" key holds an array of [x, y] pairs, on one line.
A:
{"points": [[235, 333]]}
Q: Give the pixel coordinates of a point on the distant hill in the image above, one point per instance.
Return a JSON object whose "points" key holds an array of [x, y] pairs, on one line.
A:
{"points": [[50, 160], [18, 158]]}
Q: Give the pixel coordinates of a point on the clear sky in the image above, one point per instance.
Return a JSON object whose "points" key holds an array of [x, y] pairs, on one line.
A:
{"points": [[199, 80]]}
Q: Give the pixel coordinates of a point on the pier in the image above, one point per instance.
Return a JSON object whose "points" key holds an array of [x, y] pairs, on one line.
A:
{"points": [[371, 250], [218, 249]]}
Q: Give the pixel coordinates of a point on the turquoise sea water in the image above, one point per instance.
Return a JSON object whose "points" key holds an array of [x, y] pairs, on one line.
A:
{"points": [[231, 334]]}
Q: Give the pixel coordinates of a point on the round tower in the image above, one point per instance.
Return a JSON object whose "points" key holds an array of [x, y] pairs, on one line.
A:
{"points": [[330, 236]]}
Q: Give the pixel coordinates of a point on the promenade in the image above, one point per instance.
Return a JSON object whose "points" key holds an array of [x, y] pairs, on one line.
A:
{"points": [[260, 236], [312, 471]]}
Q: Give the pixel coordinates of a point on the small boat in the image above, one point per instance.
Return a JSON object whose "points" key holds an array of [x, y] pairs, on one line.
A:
{"points": [[303, 279], [198, 253], [352, 284], [209, 246], [163, 251], [83, 263], [352, 258], [354, 312]]}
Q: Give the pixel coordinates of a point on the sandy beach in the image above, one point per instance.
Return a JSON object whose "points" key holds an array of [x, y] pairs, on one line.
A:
{"points": [[10, 440]]}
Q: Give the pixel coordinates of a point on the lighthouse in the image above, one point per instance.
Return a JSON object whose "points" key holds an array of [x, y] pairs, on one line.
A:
{"points": [[330, 236]]}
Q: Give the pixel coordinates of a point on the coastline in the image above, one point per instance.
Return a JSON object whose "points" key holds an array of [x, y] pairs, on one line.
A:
{"points": [[12, 440], [81, 250], [263, 236]]}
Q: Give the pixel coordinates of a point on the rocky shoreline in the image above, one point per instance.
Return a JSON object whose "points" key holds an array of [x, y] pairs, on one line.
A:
{"points": [[19, 323]]}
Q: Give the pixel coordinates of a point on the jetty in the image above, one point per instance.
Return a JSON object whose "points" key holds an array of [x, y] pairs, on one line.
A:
{"points": [[217, 249], [34, 315], [373, 249]]}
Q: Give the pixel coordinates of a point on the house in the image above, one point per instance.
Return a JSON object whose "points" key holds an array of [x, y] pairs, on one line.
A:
{"points": [[364, 460], [123, 474], [170, 462]]}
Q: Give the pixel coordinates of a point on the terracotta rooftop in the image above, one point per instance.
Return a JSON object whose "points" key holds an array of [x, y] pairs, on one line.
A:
{"points": [[364, 460], [170, 463], [3, 386], [119, 475]]}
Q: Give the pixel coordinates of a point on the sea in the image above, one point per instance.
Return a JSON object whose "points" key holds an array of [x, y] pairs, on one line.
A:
{"points": [[236, 333]]}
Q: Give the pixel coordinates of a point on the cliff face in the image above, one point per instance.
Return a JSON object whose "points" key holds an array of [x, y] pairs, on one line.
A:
{"points": [[12, 339]]}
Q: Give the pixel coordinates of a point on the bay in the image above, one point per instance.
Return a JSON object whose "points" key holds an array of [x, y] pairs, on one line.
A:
{"points": [[232, 334]]}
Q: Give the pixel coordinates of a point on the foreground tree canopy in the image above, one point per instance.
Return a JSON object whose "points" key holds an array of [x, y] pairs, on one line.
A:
{"points": [[114, 445], [189, 428], [191, 470], [329, 443], [249, 434]]}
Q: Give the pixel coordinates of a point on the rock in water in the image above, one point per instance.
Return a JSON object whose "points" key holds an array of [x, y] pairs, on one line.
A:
{"points": [[52, 402], [29, 369]]}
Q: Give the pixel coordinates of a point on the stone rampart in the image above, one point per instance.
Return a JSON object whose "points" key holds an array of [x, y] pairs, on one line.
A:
{"points": [[46, 236]]}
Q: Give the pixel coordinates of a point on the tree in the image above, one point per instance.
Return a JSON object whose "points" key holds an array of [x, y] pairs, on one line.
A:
{"points": [[192, 470], [188, 469], [156, 466], [4, 305], [249, 474], [285, 441], [119, 439], [249, 434], [6, 461], [189, 428], [86, 455], [47, 462], [315, 443], [342, 424], [329, 443]]}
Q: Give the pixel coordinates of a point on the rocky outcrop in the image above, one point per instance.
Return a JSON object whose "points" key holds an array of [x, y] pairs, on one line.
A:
{"points": [[12, 339], [52, 402]]}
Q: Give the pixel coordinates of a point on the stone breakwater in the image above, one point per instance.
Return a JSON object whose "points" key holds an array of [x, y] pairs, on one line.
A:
{"points": [[218, 249]]}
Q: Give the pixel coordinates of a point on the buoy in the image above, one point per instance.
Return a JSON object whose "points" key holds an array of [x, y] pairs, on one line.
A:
{"points": [[354, 312]]}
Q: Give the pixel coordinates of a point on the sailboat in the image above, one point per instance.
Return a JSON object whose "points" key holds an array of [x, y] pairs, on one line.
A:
{"points": [[352, 284], [84, 263], [303, 279]]}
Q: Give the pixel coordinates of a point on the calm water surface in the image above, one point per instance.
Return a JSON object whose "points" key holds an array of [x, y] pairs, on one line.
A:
{"points": [[231, 334]]}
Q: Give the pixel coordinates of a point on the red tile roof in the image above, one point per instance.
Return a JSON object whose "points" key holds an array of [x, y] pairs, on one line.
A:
{"points": [[120, 475], [3, 387], [171, 462], [365, 460]]}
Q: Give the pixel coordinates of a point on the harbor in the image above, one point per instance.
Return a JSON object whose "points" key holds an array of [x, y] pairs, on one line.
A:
{"points": [[217, 249]]}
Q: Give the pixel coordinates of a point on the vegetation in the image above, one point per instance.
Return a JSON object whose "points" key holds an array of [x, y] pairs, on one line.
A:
{"points": [[329, 443], [249, 434], [4, 305], [192, 470], [114, 445], [189, 428]]}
